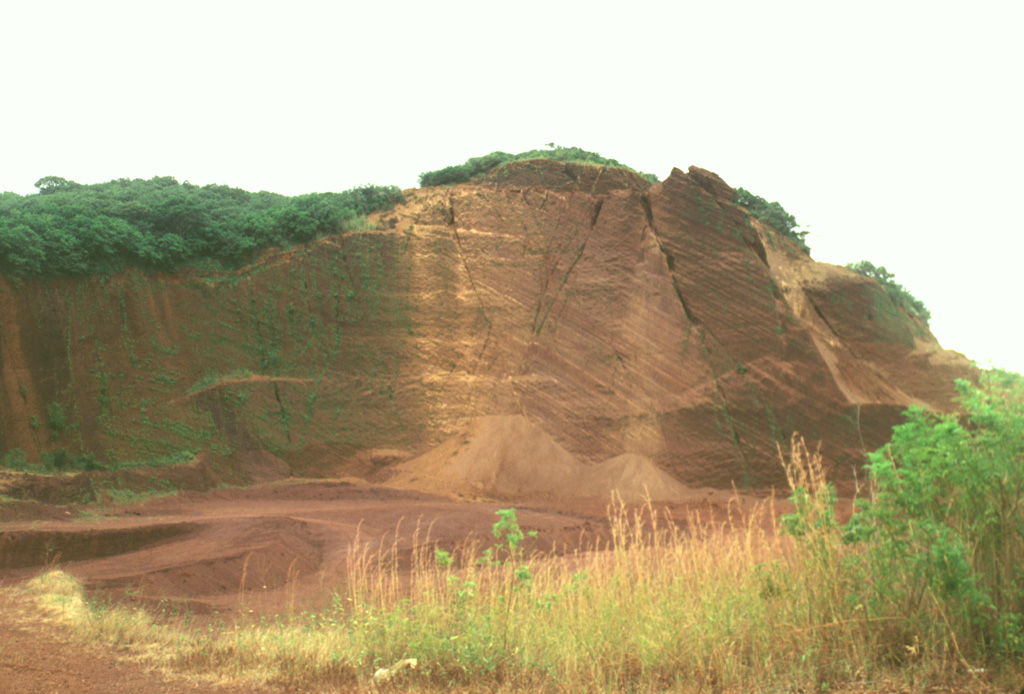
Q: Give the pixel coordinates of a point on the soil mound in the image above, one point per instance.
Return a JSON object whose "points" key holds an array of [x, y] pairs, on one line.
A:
{"points": [[509, 457], [632, 477]]}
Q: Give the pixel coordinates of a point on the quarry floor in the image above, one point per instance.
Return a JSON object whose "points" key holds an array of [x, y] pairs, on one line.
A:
{"points": [[268, 549]]}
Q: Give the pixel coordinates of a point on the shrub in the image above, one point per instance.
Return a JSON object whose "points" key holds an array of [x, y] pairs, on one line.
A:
{"points": [[460, 173], [55, 418], [943, 530], [774, 215], [478, 166], [14, 459], [61, 460], [68, 228], [899, 294]]}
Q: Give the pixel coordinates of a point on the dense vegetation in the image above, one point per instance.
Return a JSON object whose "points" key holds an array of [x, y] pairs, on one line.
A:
{"points": [[943, 532], [774, 215], [478, 166], [924, 587], [900, 295], [69, 228]]}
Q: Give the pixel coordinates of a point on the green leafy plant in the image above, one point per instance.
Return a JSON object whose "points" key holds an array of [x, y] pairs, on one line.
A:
{"points": [[161, 224], [55, 418], [443, 558], [478, 166], [943, 531], [774, 215], [899, 294], [61, 460], [14, 459]]}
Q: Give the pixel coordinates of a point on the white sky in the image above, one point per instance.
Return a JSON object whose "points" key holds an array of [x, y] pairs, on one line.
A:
{"points": [[892, 129]]}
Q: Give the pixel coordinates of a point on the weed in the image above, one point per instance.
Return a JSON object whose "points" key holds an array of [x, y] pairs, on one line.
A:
{"points": [[14, 459], [55, 418]]}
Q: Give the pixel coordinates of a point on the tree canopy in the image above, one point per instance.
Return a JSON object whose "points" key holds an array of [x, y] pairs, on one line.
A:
{"points": [[70, 228]]}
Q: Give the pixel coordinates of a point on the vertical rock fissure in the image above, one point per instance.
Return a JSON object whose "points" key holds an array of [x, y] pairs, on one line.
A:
{"points": [[282, 412], [702, 330], [822, 317], [472, 284], [757, 247], [597, 212], [669, 260], [565, 277]]}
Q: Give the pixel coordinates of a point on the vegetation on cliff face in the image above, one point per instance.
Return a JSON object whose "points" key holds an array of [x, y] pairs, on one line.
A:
{"points": [[899, 294], [774, 215], [478, 166], [69, 228]]}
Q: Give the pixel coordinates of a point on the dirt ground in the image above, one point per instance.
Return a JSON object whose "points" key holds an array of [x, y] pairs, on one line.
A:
{"points": [[38, 657], [270, 549]]}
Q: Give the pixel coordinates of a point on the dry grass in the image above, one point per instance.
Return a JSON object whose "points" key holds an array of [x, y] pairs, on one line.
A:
{"points": [[733, 607]]}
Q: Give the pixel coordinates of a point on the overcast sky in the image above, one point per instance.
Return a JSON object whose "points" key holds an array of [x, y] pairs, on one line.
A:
{"points": [[892, 129]]}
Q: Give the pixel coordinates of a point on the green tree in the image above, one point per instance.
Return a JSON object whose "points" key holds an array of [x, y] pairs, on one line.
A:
{"points": [[160, 223], [54, 184], [774, 215]]}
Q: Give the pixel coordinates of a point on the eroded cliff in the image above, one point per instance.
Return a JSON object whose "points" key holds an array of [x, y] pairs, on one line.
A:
{"points": [[617, 317]]}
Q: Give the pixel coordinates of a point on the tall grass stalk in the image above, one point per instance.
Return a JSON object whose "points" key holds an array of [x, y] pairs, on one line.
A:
{"points": [[739, 605]]}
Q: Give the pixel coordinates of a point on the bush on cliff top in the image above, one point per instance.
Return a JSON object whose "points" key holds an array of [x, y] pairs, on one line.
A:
{"points": [[899, 294], [774, 215], [70, 228], [478, 166]]}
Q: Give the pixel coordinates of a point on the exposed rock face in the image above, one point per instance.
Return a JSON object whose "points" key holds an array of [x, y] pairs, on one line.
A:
{"points": [[617, 317]]}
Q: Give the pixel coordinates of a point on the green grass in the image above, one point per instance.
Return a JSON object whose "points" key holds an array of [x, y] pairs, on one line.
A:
{"points": [[61, 462], [118, 496]]}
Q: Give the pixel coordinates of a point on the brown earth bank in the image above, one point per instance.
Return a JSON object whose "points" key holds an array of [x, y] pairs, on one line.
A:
{"points": [[662, 323]]}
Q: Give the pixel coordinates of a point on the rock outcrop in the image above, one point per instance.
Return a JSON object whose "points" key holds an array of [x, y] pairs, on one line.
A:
{"points": [[622, 319]]}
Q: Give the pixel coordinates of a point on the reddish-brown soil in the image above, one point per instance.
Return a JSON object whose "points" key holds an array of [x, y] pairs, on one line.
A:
{"points": [[271, 549], [38, 657], [279, 546]]}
